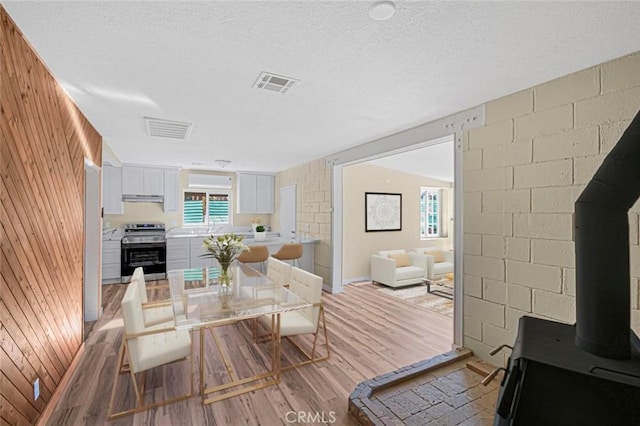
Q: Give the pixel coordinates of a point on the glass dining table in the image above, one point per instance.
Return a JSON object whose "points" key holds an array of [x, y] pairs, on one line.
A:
{"points": [[201, 304]]}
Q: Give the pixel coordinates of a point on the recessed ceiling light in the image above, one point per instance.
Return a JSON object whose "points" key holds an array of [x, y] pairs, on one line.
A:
{"points": [[222, 163], [382, 10]]}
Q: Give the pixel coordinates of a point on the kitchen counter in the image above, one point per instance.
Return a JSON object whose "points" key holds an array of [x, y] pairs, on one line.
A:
{"points": [[112, 234], [248, 236], [184, 248]]}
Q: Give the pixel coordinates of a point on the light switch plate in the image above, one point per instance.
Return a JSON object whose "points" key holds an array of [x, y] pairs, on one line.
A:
{"points": [[36, 389]]}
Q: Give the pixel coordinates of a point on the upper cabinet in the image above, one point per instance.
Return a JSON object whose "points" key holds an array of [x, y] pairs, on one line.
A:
{"points": [[112, 190], [255, 193], [142, 181], [171, 204], [132, 180]]}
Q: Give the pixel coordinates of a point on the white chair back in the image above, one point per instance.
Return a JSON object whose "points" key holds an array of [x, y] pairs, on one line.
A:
{"points": [[133, 319], [386, 253], [309, 287], [278, 271], [138, 275]]}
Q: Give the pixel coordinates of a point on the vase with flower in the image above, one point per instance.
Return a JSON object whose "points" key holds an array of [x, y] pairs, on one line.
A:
{"points": [[225, 249]]}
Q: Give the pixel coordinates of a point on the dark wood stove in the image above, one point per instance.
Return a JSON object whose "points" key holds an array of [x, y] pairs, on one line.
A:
{"points": [[587, 373]]}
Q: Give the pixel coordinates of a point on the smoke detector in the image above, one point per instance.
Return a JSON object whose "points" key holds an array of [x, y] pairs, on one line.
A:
{"points": [[274, 82], [382, 10], [161, 128]]}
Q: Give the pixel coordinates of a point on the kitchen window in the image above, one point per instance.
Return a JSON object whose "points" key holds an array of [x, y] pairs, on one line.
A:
{"points": [[206, 208], [430, 212]]}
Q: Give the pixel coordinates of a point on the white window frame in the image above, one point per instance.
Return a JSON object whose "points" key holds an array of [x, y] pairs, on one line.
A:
{"points": [[208, 191], [424, 215]]}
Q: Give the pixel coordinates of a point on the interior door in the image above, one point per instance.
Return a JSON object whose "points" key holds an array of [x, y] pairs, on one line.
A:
{"points": [[288, 212]]}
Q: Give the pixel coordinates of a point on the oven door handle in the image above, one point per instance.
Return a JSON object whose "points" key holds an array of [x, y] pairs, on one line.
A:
{"points": [[143, 245]]}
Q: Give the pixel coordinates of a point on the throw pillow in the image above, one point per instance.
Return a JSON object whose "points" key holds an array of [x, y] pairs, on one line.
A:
{"points": [[402, 259], [437, 255]]}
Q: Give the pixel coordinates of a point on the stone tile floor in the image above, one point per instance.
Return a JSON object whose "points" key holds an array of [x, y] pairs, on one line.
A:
{"points": [[447, 395]]}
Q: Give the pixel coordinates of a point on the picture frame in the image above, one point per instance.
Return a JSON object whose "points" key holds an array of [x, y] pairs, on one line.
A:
{"points": [[382, 212]]}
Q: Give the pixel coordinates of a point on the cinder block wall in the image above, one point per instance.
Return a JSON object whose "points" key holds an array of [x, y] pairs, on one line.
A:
{"points": [[313, 206], [522, 174]]}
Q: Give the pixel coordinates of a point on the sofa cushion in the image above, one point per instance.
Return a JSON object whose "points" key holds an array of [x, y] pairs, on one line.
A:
{"points": [[402, 259], [409, 272], [437, 256]]}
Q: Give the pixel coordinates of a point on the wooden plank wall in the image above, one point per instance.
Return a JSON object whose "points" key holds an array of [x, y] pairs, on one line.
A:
{"points": [[45, 139]]}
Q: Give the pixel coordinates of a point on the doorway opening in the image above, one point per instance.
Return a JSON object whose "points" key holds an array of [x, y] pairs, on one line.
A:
{"points": [[421, 179]]}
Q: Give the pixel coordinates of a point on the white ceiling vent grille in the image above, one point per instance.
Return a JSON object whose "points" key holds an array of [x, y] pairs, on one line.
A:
{"points": [[274, 82], [166, 128]]}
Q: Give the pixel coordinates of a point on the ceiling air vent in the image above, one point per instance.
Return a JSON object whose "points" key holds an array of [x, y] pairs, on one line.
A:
{"points": [[274, 82], [166, 128]]}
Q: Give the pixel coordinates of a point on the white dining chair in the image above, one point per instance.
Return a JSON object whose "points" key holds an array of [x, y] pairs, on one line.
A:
{"points": [[144, 348], [154, 312], [278, 271], [302, 321]]}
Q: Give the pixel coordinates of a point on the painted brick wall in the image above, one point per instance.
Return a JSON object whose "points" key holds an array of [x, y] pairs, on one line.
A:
{"points": [[313, 205], [522, 174]]}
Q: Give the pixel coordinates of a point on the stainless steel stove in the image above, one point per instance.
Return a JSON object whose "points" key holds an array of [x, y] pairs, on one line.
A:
{"points": [[144, 245]]}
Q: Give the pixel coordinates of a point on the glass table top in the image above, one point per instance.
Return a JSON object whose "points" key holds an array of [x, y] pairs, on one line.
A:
{"points": [[199, 300]]}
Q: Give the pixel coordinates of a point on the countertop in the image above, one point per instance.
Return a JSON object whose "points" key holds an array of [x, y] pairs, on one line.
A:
{"points": [[112, 234], [197, 232], [272, 238]]}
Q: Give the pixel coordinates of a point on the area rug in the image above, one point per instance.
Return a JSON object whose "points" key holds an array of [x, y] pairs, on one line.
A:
{"points": [[417, 294]]}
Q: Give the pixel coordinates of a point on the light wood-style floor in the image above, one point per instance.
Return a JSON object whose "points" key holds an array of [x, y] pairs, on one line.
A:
{"points": [[370, 334]]}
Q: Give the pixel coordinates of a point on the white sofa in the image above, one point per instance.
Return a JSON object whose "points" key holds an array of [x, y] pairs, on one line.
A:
{"points": [[436, 269], [385, 271]]}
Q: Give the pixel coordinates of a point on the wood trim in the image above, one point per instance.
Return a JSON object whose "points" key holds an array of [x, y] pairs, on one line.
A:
{"points": [[62, 387]]}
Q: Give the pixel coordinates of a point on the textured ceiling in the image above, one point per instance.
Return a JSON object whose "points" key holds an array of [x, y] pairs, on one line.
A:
{"points": [[434, 161], [360, 79]]}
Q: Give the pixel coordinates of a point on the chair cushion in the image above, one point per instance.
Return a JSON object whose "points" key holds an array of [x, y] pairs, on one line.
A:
{"points": [[157, 349], [291, 323], [157, 315], [402, 259], [409, 272]]}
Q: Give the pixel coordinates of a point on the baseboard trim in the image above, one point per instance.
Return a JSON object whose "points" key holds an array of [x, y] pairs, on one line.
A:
{"points": [[62, 385], [355, 280]]}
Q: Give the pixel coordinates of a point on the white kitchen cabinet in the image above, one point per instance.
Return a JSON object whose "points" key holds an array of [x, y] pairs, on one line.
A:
{"points": [[178, 253], [112, 190], [255, 193], [111, 261], [171, 204], [153, 182], [142, 180], [264, 194], [197, 261], [132, 180]]}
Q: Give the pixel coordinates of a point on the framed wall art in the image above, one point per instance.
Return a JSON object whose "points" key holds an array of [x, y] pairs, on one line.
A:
{"points": [[383, 212]]}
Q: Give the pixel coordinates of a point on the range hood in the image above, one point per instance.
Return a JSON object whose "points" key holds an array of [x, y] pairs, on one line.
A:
{"points": [[138, 198]]}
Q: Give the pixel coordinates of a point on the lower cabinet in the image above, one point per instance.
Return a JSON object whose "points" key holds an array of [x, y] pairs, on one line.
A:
{"points": [[111, 261], [187, 252], [197, 252], [178, 253]]}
